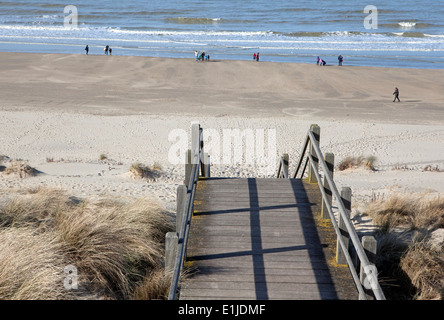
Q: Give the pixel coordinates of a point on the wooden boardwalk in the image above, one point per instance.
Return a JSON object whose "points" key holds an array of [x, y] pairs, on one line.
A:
{"points": [[258, 239]]}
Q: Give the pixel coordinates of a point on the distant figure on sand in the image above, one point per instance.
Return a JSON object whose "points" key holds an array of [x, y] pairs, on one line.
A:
{"points": [[110, 51], [196, 54], [106, 49], [322, 62], [340, 59], [317, 61], [254, 56], [87, 49], [257, 56], [396, 93]]}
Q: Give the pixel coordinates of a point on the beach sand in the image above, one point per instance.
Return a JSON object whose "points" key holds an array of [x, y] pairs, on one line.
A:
{"points": [[60, 113]]}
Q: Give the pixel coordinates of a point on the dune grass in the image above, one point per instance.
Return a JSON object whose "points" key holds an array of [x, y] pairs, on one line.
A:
{"points": [[114, 245], [21, 169], [141, 171], [357, 162], [411, 265]]}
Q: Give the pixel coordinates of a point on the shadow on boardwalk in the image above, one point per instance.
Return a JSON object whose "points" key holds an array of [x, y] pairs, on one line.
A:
{"points": [[259, 239]]}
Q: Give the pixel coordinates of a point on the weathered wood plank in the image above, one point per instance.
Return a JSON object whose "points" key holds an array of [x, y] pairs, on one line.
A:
{"points": [[255, 239]]}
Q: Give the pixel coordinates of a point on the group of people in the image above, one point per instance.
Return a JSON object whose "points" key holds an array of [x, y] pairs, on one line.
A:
{"points": [[201, 56], [256, 56], [107, 50], [322, 62]]}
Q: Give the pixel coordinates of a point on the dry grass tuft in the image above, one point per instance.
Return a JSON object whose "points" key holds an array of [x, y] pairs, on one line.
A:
{"points": [[156, 286], [22, 169], [408, 212], [430, 168], [112, 244], [31, 265], [404, 252], [142, 171], [360, 162], [424, 265]]}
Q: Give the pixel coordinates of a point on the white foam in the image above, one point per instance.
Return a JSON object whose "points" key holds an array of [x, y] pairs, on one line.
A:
{"points": [[407, 24], [434, 35]]}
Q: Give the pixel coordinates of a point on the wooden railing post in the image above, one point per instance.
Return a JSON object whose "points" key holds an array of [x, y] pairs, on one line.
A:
{"points": [[206, 163], [330, 161], [195, 141], [316, 130], [181, 201], [346, 199], [285, 162], [171, 246], [188, 168], [370, 245]]}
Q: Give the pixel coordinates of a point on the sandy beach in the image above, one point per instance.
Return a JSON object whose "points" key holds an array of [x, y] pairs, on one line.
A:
{"points": [[82, 121]]}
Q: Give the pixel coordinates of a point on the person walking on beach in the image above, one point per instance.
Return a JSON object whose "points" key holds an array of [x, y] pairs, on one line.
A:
{"points": [[110, 51], [87, 49], [340, 59], [317, 61], [106, 50], [196, 54], [396, 93], [257, 56]]}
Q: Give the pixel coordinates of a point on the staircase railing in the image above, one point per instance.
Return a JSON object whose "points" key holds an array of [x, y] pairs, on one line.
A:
{"points": [[176, 242], [311, 156]]}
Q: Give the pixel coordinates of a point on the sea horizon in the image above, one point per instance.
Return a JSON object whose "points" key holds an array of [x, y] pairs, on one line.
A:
{"points": [[399, 34]]}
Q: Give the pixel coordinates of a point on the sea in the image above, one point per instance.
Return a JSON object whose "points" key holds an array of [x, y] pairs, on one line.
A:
{"points": [[380, 33]]}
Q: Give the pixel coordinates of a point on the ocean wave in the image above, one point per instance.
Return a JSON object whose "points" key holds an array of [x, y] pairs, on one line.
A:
{"points": [[153, 13], [40, 28], [293, 9], [407, 25], [52, 5], [187, 20], [322, 34], [410, 34], [11, 4], [434, 35], [189, 33]]}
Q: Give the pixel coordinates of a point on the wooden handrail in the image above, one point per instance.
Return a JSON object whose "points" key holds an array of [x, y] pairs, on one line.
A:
{"points": [[315, 158], [198, 164]]}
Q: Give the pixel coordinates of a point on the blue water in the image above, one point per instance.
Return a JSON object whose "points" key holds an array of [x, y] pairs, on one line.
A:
{"points": [[408, 34]]}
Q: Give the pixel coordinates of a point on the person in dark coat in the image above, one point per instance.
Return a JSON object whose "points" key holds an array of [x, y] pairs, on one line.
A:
{"points": [[340, 59], [396, 93], [87, 49]]}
